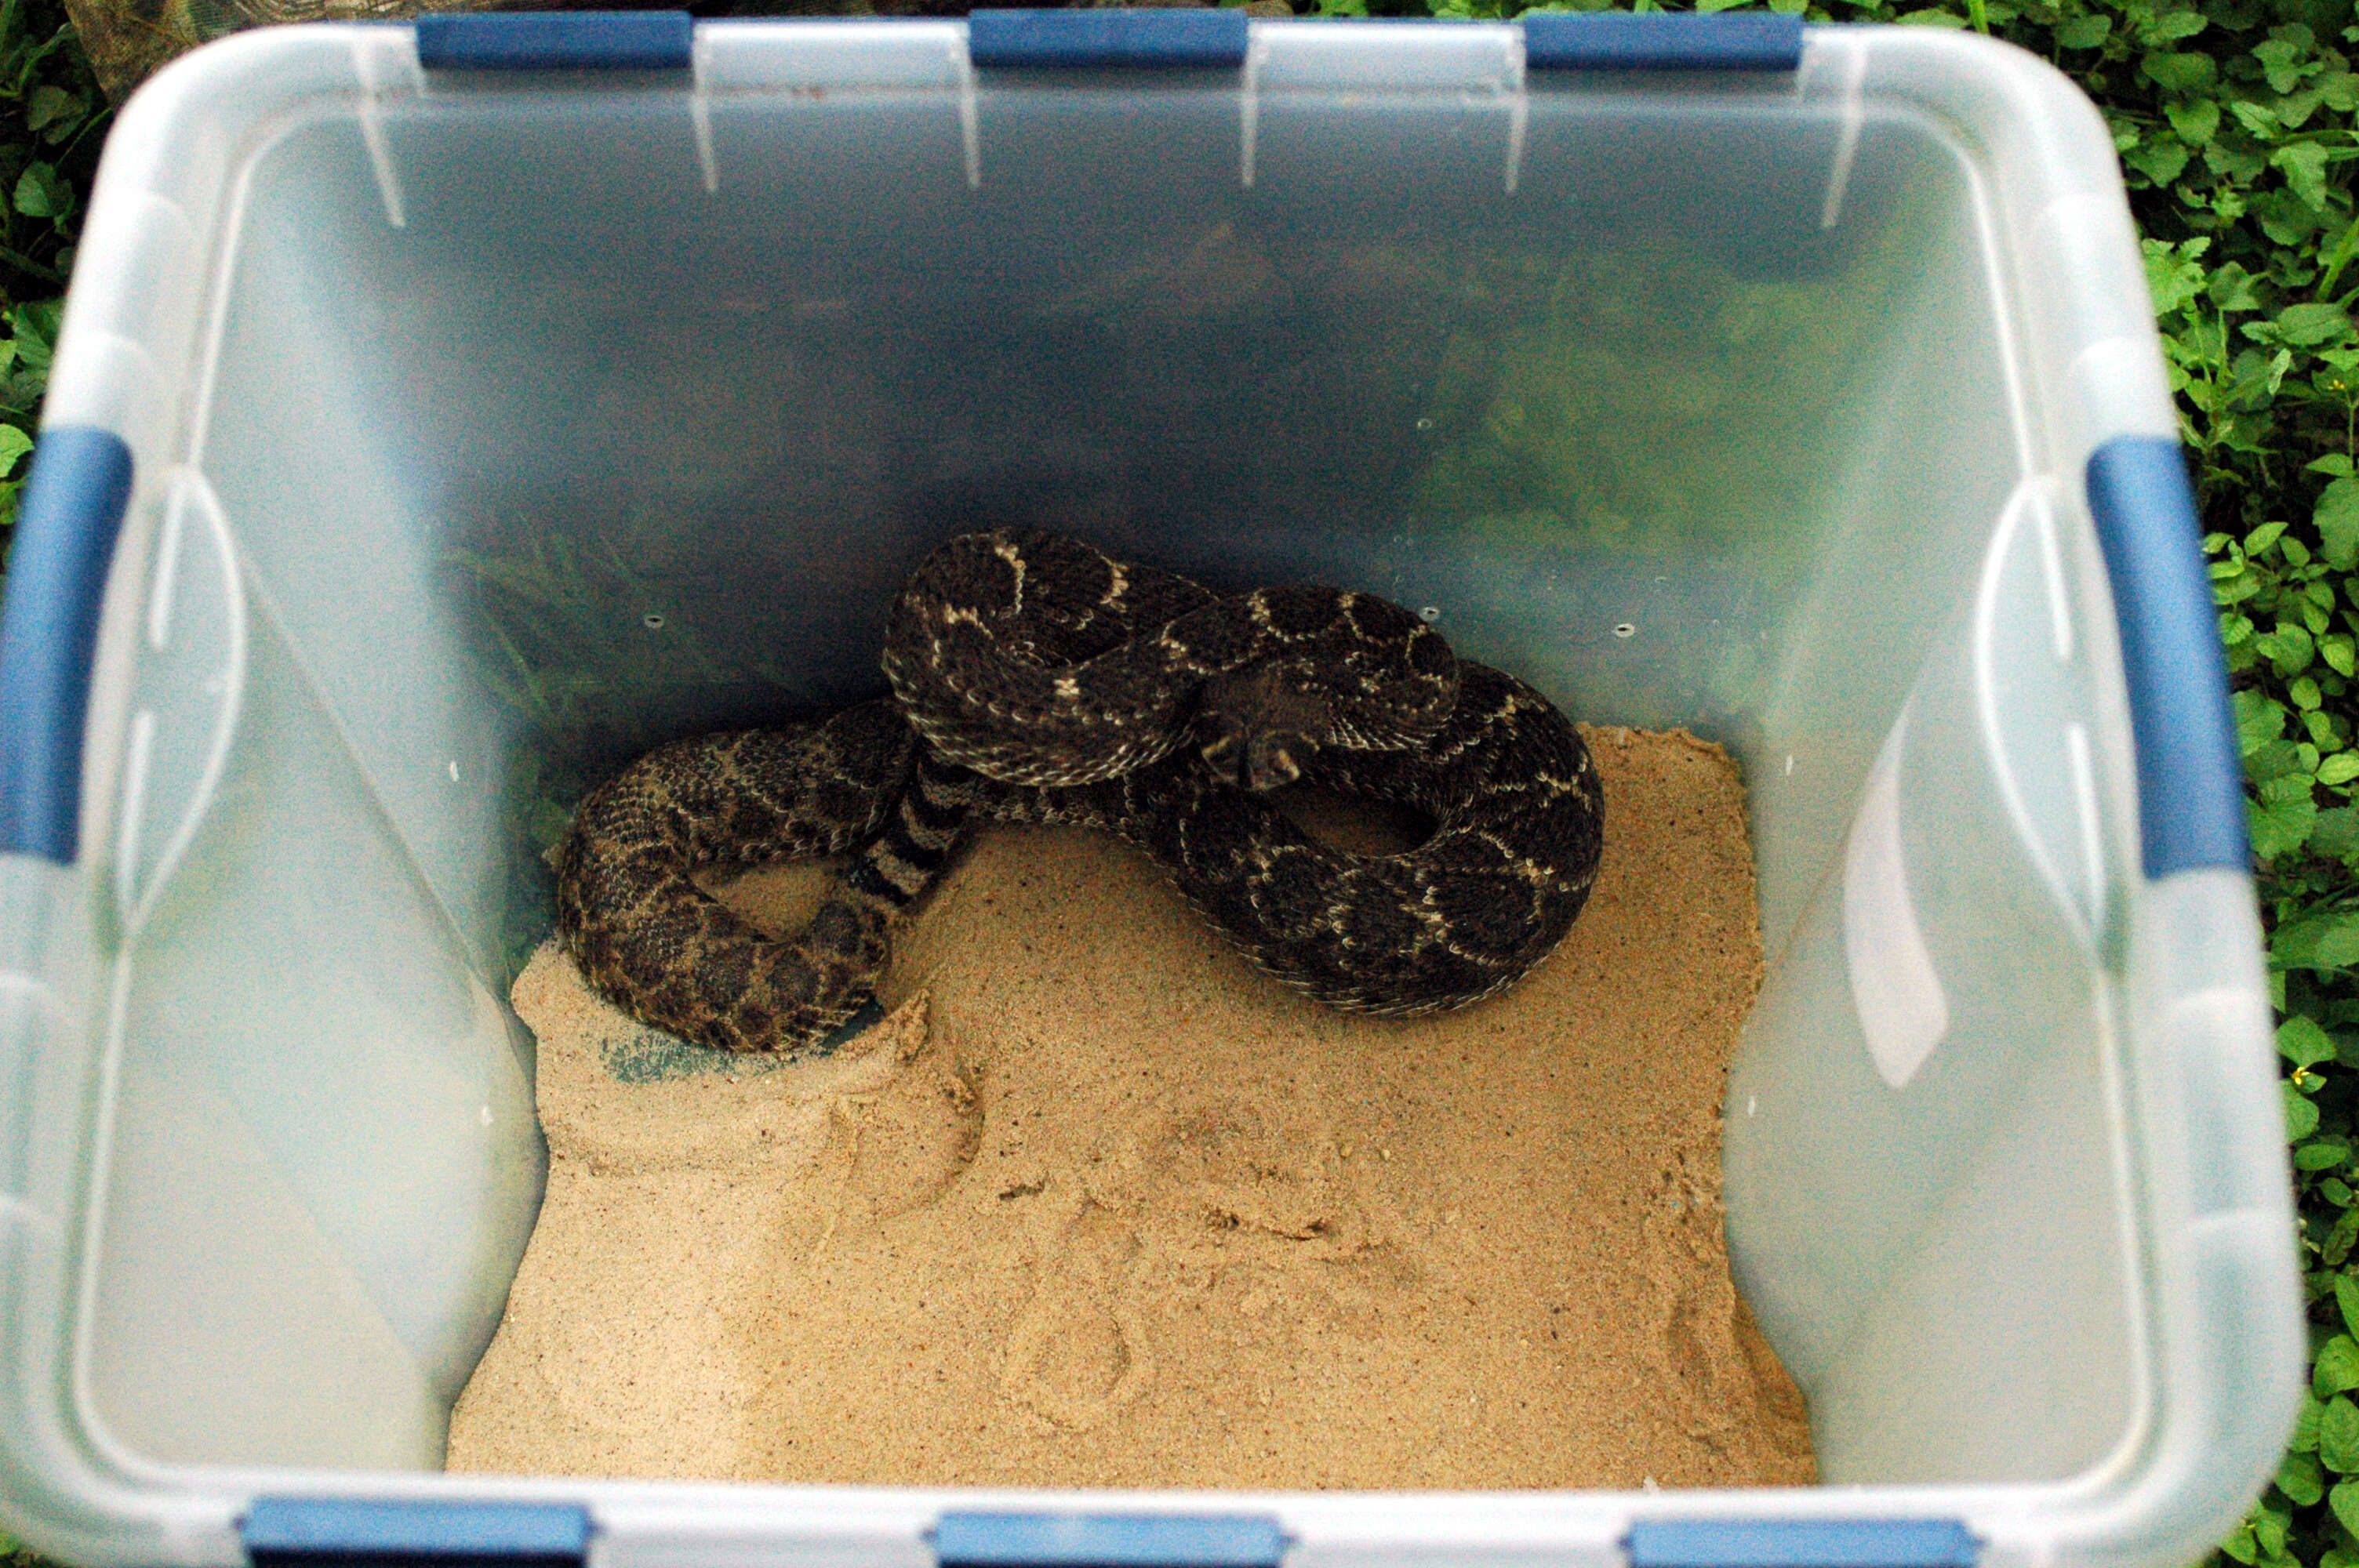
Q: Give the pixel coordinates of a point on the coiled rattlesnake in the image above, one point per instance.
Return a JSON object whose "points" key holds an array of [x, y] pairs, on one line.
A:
{"points": [[1038, 680]]}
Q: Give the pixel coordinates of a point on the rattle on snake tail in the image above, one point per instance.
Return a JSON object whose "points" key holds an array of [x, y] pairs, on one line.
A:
{"points": [[1037, 680]]}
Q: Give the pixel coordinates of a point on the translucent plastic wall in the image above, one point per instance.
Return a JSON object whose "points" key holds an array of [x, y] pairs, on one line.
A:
{"points": [[525, 422]]}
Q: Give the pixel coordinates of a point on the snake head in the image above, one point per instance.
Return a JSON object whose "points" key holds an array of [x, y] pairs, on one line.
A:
{"points": [[1255, 727], [1238, 755]]}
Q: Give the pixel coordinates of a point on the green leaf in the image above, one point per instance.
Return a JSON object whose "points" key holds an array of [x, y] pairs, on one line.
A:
{"points": [[2161, 161], [2305, 1424], [34, 326], [2303, 164], [2338, 1436], [2335, 1370], [2286, 60], [2301, 1042], [2321, 1154], [2180, 72], [2339, 769], [2300, 1478], [2301, 1121], [2303, 326], [2337, 521], [2259, 720], [50, 104], [2195, 121], [2173, 273], [2286, 218], [2288, 646], [2268, 1531], [14, 444], [2086, 31], [2346, 1297], [2232, 290], [2344, 1501], [2258, 118], [43, 192]]}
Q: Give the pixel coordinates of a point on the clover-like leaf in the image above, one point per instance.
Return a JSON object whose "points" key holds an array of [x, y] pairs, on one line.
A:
{"points": [[2301, 1042], [14, 444], [48, 104], [2174, 274], [2161, 160], [2303, 164], [2180, 72], [43, 192], [2337, 521], [2334, 1370], [2338, 1436], [2278, 828], [2287, 59], [2305, 324], [2300, 1478], [2195, 120], [2234, 288], [2321, 1154]]}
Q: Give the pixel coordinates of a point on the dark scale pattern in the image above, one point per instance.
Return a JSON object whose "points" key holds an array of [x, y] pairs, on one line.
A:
{"points": [[1037, 680]]}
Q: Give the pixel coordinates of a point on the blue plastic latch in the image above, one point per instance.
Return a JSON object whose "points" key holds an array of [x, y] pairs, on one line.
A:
{"points": [[1156, 40], [1108, 1540], [1800, 1543], [66, 522], [2191, 791], [348, 1533], [1612, 40], [556, 40]]}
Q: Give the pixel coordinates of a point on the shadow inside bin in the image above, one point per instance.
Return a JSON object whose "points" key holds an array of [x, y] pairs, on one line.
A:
{"points": [[651, 1056]]}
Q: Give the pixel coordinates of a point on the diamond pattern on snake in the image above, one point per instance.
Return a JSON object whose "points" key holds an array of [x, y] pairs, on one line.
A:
{"points": [[1038, 680]]}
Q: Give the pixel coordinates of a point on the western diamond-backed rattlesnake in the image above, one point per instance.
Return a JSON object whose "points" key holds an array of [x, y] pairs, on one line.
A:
{"points": [[1038, 680]]}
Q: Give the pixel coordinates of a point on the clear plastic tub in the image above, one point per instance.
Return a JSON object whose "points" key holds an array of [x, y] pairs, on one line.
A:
{"points": [[1795, 385]]}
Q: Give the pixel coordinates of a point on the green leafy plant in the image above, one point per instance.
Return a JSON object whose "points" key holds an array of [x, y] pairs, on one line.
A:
{"points": [[53, 119], [2235, 121]]}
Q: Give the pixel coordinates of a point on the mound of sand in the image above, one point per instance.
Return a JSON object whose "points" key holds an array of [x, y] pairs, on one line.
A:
{"points": [[1098, 1204]]}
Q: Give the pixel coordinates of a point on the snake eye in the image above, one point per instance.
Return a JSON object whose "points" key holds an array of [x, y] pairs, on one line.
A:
{"points": [[1225, 753]]}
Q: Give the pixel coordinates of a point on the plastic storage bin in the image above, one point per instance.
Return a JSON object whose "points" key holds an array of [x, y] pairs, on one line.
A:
{"points": [[440, 408]]}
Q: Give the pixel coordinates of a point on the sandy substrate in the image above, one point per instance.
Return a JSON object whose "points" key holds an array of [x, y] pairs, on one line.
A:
{"points": [[1099, 1206]]}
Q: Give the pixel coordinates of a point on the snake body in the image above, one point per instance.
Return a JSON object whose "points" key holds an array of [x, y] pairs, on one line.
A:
{"points": [[1037, 680]]}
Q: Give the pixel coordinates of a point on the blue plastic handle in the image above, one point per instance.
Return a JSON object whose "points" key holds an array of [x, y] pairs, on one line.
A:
{"points": [[1801, 1543], [1614, 40], [1101, 39], [556, 40], [66, 522], [2190, 784], [285, 1530], [1108, 1540]]}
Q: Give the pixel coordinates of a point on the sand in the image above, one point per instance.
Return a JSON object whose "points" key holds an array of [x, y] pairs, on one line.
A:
{"points": [[1098, 1204]]}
